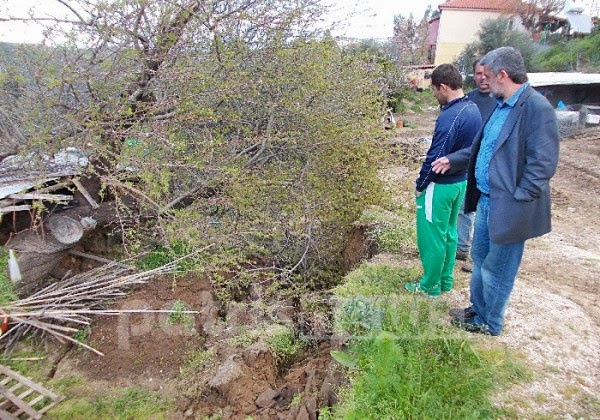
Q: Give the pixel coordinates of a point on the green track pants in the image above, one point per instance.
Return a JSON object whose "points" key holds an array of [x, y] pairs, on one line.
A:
{"points": [[437, 212]]}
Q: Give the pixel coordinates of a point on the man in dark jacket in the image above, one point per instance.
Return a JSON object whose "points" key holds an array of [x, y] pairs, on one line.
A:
{"points": [[511, 162], [486, 104], [439, 196]]}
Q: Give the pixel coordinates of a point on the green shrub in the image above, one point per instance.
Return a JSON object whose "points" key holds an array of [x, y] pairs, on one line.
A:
{"points": [[162, 255], [392, 231], [284, 345], [374, 279]]}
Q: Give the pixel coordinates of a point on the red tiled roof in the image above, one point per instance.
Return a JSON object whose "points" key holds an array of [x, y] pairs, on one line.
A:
{"points": [[492, 5]]}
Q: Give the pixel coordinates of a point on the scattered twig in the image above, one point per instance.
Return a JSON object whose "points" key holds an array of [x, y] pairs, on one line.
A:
{"points": [[85, 193]]}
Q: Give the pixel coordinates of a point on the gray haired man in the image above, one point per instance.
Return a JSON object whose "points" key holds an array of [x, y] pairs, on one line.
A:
{"points": [[510, 165]]}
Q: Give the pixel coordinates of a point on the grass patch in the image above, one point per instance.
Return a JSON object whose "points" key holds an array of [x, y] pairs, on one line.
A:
{"points": [[404, 362], [132, 403], [193, 372], [371, 279], [30, 361], [392, 231], [67, 385]]}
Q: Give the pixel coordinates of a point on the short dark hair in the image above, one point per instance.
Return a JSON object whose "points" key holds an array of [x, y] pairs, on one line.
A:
{"points": [[447, 74], [478, 61], [508, 59]]}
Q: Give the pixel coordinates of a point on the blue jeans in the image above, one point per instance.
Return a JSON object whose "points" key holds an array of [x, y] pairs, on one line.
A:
{"points": [[465, 228], [495, 268]]}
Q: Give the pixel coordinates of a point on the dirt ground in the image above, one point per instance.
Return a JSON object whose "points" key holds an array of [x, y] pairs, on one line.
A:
{"points": [[553, 319], [553, 322], [240, 378]]}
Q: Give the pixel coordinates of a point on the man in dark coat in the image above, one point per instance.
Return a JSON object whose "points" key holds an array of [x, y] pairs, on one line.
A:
{"points": [[486, 104], [511, 162]]}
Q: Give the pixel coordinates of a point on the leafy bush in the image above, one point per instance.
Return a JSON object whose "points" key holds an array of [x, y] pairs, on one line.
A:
{"points": [[572, 55]]}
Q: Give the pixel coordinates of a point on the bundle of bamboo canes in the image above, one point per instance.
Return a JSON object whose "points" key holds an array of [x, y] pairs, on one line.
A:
{"points": [[56, 310]]}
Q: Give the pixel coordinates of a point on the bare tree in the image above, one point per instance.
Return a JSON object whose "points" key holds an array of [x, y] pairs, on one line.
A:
{"points": [[532, 12], [410, 39]]}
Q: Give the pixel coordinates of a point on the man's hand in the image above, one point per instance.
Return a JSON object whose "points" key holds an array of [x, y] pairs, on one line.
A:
{"points": [[441, 165], [418, 193]]}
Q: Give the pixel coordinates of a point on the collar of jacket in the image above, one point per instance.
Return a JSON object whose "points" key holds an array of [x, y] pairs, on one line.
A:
{"points": [[454, 101]]}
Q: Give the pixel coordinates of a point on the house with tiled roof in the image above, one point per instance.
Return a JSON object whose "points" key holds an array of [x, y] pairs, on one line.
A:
{"points": [[460, 20]]}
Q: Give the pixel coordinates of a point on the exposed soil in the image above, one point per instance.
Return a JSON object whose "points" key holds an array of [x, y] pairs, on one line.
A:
{"points": [[241, 377], [553, 321]]}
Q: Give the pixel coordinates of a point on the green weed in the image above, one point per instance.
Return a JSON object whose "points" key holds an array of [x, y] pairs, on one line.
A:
{"points": [[371, 279], [244, 338], [284, 345], [82, 336], [177, 316], [359, 316]]}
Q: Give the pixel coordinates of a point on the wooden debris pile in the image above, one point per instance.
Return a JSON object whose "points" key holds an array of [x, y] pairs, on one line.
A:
{"points": [[27, 180], [64, 307]]}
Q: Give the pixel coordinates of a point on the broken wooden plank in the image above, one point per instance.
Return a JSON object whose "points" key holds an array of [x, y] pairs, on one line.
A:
{"points": [[99, 259], [10, 209], [85, 193], [38, 196], [28, 382], [57, 186]]}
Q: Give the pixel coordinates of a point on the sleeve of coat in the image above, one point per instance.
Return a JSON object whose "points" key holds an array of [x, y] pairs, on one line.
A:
{"points": [[541, 144]]}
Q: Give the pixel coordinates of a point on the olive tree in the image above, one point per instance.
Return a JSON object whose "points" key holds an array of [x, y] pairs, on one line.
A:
{"points": [[232, 125]]}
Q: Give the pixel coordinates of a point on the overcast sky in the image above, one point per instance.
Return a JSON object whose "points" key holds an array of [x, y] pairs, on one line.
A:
{"points": [[375, 18], [364, 18]]}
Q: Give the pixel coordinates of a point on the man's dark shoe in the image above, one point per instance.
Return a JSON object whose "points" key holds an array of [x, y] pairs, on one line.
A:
{"points": [[469, 325], [462, 313], [467, 266], [462, 255]]}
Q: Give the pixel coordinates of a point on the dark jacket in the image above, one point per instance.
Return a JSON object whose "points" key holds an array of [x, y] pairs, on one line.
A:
{"points": [[484, 102], [455, 129], [524, 159]]}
